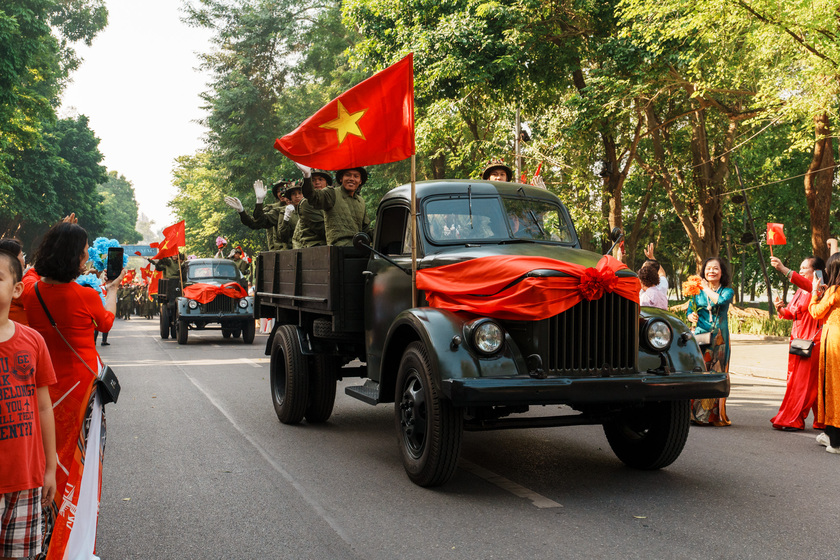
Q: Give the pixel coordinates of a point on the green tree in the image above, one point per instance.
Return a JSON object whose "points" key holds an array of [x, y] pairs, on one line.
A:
{"points": [[119, 209], [56, 177], [36, 57]]}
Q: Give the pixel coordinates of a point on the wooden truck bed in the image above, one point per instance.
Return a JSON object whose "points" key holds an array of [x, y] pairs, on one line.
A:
{"points": [[324, 281]]}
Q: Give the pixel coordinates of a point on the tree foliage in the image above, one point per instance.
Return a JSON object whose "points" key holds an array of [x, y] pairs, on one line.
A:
{"points": [[119, 209], [48, 167], [638, 110], [57, 176]]}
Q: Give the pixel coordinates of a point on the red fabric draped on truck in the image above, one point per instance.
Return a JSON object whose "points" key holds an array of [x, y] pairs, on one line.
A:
{"points": [[205, 293], [496, 286]]}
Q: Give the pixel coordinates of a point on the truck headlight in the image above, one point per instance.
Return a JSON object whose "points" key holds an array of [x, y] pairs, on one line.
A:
{"points": [[658, 335], [193, 304], [487, 336], [243, 303]]}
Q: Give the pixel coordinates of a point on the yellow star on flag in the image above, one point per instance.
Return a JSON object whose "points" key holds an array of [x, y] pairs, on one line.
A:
{"points": [[771, 235], [346, 123]]}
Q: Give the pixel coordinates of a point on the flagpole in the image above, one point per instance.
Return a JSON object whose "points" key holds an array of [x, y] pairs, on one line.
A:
{"points": [[180, 274], [413, 233]]}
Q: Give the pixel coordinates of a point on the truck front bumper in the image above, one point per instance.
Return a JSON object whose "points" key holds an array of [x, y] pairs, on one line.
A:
{"points": [[511, 391]]}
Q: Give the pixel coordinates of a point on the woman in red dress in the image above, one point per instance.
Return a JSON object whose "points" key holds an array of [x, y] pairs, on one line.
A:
{"points": [[801, 394], [79, 415]]}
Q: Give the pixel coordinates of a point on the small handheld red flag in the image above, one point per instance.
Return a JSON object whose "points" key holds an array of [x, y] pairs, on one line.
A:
{"points": [[775, 235], [174, 236], [369, 124]]}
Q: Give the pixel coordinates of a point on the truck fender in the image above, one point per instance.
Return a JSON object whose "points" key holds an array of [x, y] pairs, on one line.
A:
{"points": [[683, 355], [181, 305], [437, 329], [305, 345]]}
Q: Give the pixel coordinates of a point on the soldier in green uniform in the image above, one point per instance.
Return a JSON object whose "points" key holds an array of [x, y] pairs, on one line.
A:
{"points": [[287, 223], [256, 221], [243, 265], [310, 228], [344, 207], [169, 266]]}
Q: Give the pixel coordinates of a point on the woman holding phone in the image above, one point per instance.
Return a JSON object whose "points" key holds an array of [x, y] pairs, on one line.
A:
{"points": [[802, 373], [79, 413]]}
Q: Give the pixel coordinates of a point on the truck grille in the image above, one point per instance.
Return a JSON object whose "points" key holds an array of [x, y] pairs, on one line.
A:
{"points": [[221, 304], [597, 337]]}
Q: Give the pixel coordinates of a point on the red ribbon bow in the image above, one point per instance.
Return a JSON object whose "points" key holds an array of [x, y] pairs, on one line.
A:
{"points": [[594, 282]]}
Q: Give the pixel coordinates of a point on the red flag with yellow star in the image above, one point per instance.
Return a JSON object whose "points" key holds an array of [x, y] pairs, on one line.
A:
{"points": [[174, 236], [369, 124], [776, 234]]}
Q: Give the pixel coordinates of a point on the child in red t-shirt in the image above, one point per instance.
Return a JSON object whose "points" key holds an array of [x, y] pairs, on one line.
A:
{"points": [[27, 427]]}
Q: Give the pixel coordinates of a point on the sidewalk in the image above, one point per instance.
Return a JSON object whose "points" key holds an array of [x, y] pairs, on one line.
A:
{"points": [[759, 356]]}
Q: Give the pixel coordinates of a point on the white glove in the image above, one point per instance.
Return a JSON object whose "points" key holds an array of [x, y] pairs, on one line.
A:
{"points": [[260, 191], [234, 203], [287, 213], [307, 171]]}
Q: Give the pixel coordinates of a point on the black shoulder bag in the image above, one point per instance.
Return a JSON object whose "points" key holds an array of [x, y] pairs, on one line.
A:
{"points": [[107, 383]]}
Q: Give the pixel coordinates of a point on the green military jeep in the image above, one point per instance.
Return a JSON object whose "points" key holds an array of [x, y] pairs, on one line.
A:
{"points": [[448, 370], [233, 313]]}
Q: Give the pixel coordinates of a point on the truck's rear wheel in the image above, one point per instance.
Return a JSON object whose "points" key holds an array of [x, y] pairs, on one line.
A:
{"points": [[182, 330], [322, 381], [249, 330], [225, 333], [164, 322], [650, 437], [429, 428], [289, 376]]}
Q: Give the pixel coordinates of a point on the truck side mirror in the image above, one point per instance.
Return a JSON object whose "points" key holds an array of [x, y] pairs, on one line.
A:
{"points": [[361, 241]]}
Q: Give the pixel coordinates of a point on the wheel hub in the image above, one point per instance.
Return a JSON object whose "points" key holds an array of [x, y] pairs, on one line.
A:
{"points": [[413, 414]]}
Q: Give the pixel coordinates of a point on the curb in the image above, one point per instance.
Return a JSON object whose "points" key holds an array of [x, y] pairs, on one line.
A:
{"points": [[762, 337]]}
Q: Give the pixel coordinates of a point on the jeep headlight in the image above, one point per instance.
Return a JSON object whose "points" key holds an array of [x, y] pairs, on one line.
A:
{"points": [[243, 303], [487, 336], [658, 335], [193, 304]]}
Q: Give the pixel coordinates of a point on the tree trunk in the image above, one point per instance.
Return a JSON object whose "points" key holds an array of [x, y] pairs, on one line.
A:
{"points": [[818, 183]]}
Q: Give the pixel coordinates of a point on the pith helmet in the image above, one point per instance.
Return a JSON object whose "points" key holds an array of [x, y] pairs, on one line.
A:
{"points": [[362, 171], [496, 164], [293, 186], [327, 177], [278, 187]]}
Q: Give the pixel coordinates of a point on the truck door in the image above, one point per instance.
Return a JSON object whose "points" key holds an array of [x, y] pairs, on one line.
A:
{"points": [[387, 288]]}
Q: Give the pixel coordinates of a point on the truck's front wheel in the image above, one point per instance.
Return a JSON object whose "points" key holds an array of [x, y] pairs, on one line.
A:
{"points": [[289, 376], [650, 437], [164, 322], [429, 428], [182, 330]]}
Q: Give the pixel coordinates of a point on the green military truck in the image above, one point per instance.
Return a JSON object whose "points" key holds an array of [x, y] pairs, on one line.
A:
{"points": [[631, 370]]}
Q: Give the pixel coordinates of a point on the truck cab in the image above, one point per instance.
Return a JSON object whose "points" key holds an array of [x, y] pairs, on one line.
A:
{"points": [[465, 358]]}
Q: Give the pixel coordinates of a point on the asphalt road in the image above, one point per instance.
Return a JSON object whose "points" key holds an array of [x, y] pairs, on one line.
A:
{"points": [[198, 467]]}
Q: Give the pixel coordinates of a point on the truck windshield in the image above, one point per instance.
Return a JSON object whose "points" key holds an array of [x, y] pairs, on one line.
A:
{"points": [[219, 271], [494, 219], [536, 219]]}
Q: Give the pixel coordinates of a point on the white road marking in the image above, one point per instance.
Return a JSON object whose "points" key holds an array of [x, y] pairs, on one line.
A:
{"points": [[538, 500], [255, 362]]}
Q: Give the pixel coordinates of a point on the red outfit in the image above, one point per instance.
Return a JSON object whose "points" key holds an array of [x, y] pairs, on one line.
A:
{"points": [[77, 311], [25, 365], [801, 393]]}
